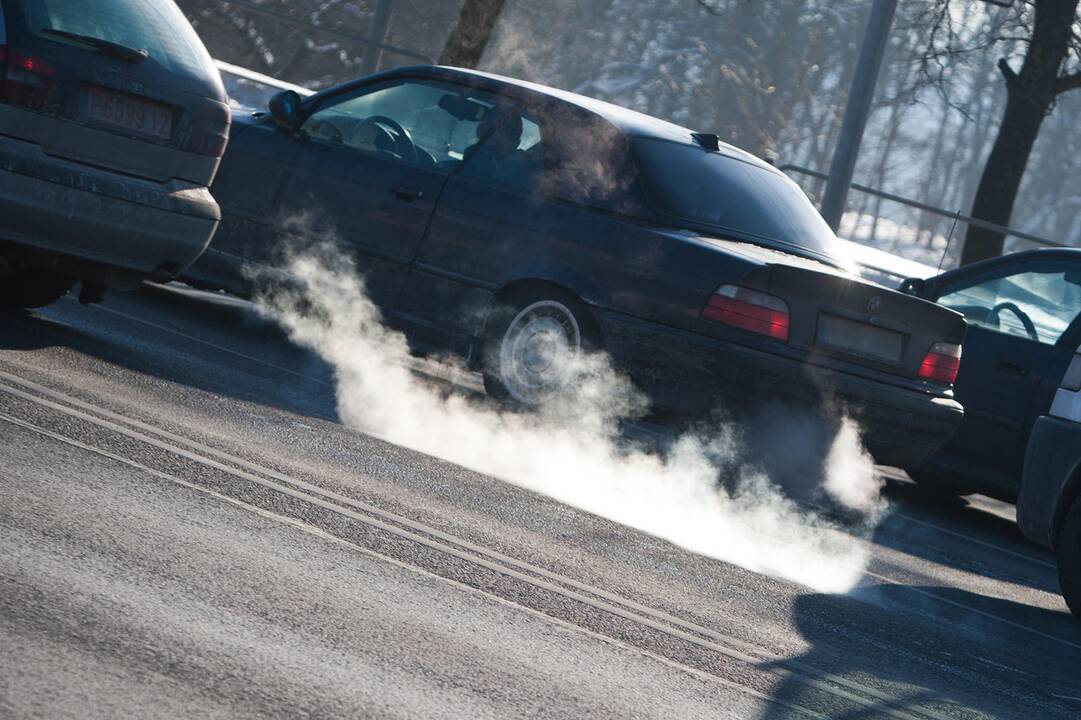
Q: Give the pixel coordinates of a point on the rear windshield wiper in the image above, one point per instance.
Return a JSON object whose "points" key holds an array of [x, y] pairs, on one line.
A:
{"points": [[121, 52]]}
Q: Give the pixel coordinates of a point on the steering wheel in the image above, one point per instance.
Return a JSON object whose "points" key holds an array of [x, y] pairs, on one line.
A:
{"points": [[400, 137], [1026, 321]]}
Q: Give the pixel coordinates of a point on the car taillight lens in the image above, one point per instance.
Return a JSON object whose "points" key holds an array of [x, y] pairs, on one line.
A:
{"points": [[27, 81], [749, 310], [941, 363]]}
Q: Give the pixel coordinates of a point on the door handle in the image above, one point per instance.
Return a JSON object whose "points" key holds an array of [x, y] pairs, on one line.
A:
{"points": [[408, 193], [1012, 367]]}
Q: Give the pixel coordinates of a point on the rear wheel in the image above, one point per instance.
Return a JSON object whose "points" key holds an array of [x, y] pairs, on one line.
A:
{"points": [[531, 344], [1069, 559], [32, 287]]}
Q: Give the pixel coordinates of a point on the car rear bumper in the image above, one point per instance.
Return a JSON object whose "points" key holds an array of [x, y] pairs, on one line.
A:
{"points": [[1051, 461], [694, 375], [108, 219]]}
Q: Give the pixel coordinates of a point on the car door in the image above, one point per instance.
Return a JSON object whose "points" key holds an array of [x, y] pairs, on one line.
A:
{"points": [[533, 199], [374, 163], [1022, 312]]}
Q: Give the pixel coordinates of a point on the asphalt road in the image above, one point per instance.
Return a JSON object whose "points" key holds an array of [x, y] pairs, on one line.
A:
{"points": [[186, 530]]}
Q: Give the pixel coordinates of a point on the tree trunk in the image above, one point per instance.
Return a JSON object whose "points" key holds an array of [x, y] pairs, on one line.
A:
{"points": [[470, 35], [1030, 95]]}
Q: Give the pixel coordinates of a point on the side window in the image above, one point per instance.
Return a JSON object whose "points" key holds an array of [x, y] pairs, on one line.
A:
{"points": [[589, 163], [1036, 304], [420, 122], [507, 151]]}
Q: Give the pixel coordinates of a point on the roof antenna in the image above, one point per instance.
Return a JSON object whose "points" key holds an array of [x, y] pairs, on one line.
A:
{"points": [[708, 141]]}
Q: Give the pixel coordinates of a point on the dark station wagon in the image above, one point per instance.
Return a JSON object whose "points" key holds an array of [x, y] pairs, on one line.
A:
{"points": [[113, 119], [511, 223]]}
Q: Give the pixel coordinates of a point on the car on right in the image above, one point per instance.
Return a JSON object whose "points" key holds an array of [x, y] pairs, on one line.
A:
{"points": [[1024, 326], [1049, 507]]}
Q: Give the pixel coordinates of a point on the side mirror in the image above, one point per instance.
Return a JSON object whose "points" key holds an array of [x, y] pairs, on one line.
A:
{"points": [[285, 109], [914, 286]]}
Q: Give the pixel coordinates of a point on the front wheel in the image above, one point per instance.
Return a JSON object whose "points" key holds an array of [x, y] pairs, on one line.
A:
{"points": [[1069, 559], [32, 288], [532, 344]]}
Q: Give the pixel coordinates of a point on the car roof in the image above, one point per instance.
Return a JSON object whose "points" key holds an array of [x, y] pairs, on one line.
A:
{"points": [[629, 122]]}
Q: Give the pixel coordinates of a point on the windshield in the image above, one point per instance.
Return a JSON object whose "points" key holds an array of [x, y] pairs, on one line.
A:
{"points": [[744, 200], [156, 26]]}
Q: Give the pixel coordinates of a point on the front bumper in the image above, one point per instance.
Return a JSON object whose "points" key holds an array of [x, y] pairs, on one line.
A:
{"points": [[694, 375], [105, 218]]}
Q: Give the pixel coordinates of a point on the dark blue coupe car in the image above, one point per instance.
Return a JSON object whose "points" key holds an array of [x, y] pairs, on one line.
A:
{"points": [[512, 223]]}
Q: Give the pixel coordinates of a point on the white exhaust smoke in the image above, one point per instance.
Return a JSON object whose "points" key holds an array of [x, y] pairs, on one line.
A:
{"points": [[571, 449]]}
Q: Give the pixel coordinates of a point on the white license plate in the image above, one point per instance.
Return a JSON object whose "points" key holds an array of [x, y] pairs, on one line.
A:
{"points": [[143, 117]]}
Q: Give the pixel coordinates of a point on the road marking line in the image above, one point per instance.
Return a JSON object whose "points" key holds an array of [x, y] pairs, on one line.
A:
{"points": [[324, 535], [478, 555]]}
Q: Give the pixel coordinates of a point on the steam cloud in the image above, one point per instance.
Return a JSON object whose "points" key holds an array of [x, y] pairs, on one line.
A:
{"points": [[572, 449]]}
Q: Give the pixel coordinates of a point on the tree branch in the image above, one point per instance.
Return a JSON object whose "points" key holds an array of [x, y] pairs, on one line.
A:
{"points": [[1068, 82], [1007, 72], [709, 7]]}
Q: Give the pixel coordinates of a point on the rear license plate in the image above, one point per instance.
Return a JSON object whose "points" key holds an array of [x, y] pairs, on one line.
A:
{"points": [[128, 112], [856, 338]]}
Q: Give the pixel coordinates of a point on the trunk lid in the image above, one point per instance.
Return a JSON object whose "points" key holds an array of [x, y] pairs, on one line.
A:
{"points": [[120, 84], [836, 314], [840, 315]]}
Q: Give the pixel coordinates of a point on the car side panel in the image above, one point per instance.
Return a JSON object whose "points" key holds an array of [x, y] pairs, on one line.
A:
{"points": [[485, 237]]}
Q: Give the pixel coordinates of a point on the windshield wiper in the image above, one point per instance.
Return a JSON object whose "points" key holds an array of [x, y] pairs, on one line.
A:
{"points": [[121, 52]]}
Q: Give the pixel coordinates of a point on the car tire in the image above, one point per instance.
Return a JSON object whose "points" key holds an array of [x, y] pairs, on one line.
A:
{"points": [[527, 334], [1069, 559], [32, 288]]}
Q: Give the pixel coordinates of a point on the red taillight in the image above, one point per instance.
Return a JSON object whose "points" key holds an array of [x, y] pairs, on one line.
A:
{"points": [[941, 363], [28, 81], [749, 310]]}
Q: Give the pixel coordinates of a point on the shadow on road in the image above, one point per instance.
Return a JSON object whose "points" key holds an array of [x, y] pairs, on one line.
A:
{"points": [[970, 539], [145, 333], [933, 647]]}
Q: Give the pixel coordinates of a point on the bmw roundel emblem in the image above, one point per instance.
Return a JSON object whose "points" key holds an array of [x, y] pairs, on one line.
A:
{"points": [[875, 304]]}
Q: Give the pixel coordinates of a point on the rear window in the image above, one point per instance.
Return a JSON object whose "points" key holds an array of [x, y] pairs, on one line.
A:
{"points": [[157, 26], [742, 199]]}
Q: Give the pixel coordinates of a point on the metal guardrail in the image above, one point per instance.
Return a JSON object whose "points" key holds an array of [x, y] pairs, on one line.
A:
{"points": [[956, 216]]}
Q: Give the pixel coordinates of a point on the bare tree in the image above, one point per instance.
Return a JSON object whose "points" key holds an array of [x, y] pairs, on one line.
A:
{"points": [[1044, 35], [470, 35]]}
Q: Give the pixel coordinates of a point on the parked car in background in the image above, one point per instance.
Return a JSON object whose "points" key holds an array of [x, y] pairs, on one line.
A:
{"points": [[516, 224], [1024, 317], [1049, 507], [112, 124]]}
